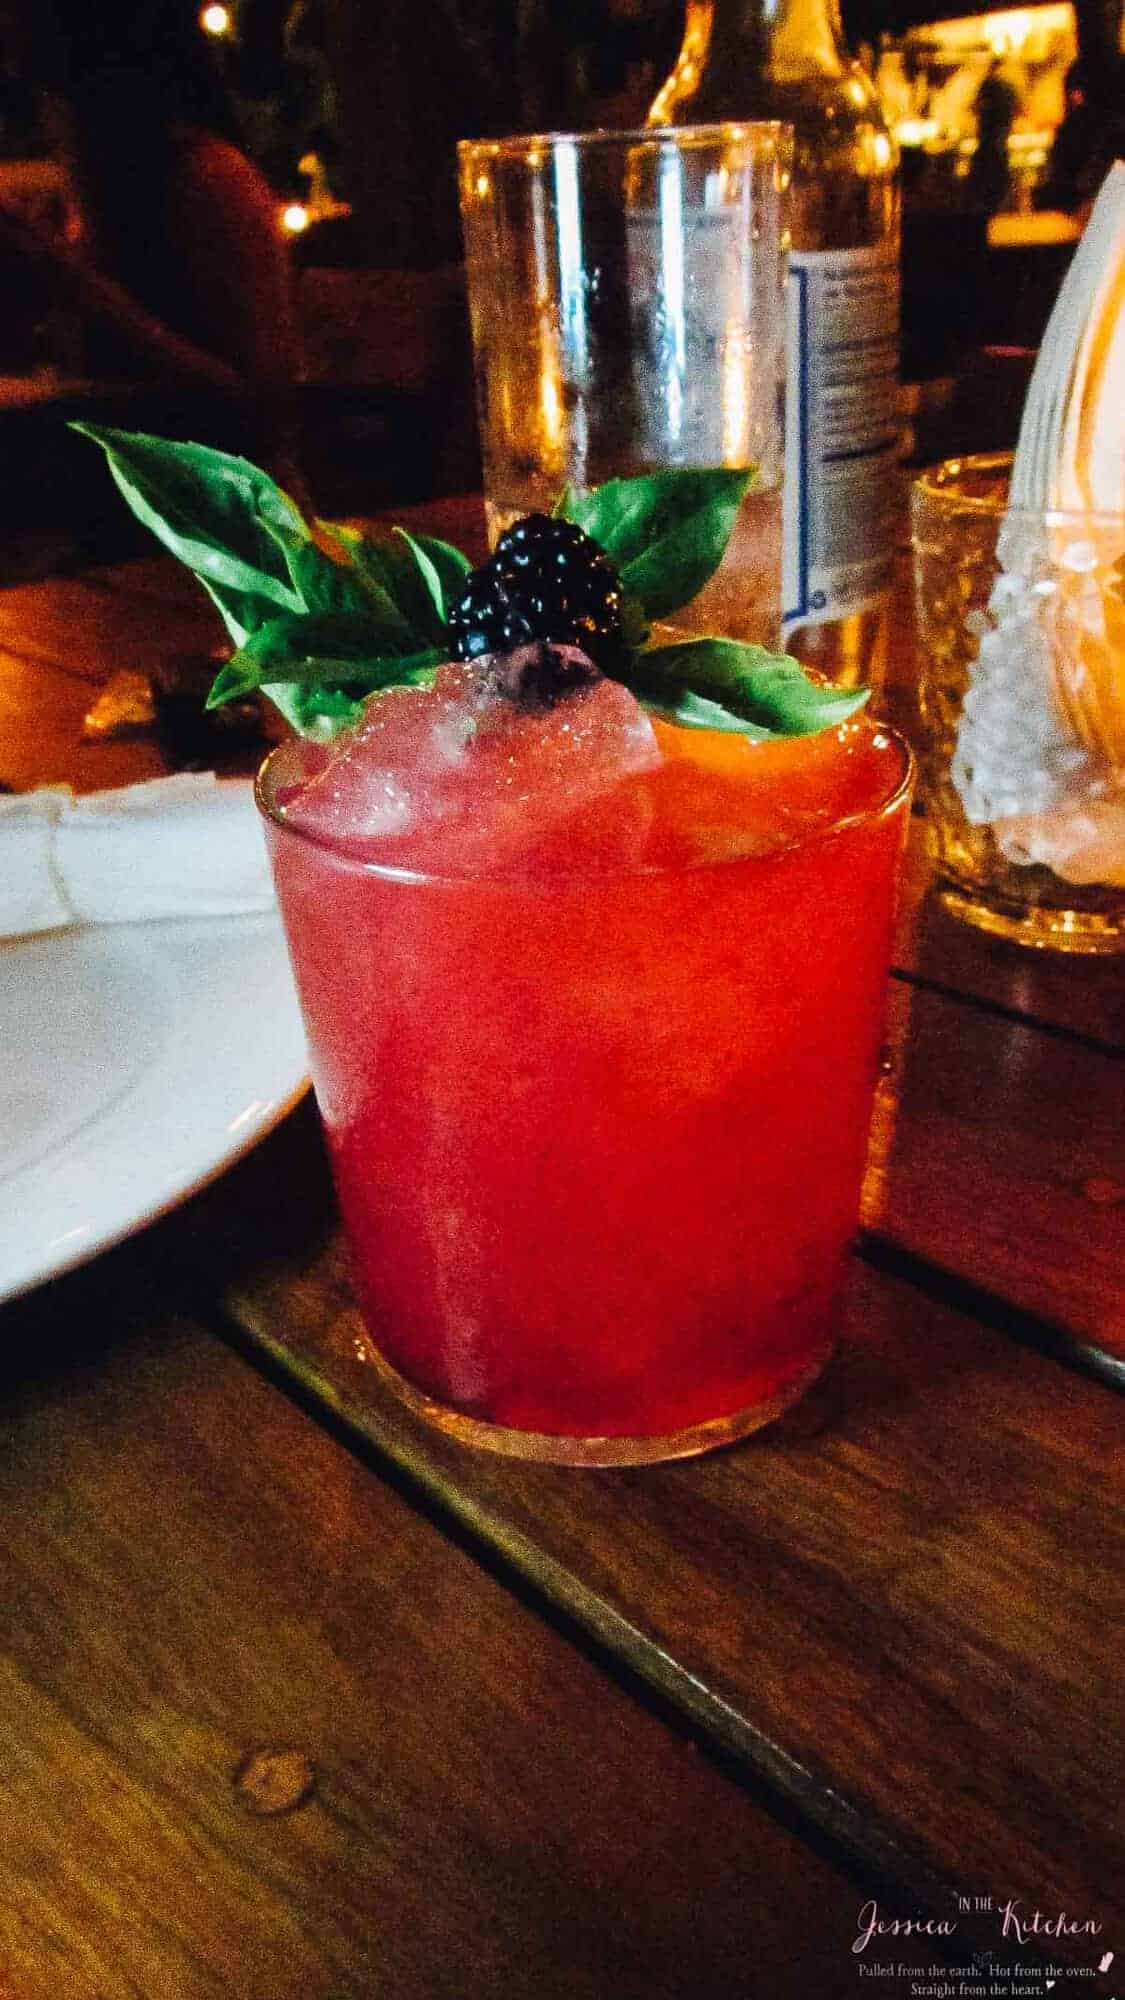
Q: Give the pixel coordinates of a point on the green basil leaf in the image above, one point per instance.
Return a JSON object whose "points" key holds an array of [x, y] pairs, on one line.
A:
{"points": [[443, 570], [317, 651], [315, 633], [349, 619], [634, 624], [312, 710], [287, 642], [241, 611], [697, 711], [390, 566], [339, 589], [220, 515], [761, 694], [667, 532], [322, 697]]}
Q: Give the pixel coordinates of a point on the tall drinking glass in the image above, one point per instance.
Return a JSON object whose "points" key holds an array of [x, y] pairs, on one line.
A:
{"points": [[627, 296]]}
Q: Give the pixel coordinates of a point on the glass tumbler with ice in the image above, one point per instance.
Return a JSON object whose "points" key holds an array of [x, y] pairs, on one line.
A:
{"points": [[594, 1007]]}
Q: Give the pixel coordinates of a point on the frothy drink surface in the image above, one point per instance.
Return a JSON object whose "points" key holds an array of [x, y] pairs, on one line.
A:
{"points": [[458, 779]]}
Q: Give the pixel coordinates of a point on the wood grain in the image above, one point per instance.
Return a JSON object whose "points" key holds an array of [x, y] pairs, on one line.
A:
{"points": [[61, 641], [998, 1155], [1084, 997], [41, 711], [92, 624], [901, 1606], [199, 1593]]}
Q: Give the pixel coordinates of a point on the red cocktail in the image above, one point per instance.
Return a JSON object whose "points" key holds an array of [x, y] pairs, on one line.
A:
{"points": [[596, 1066]]}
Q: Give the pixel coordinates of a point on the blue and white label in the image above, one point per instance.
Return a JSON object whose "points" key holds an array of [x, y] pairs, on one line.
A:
{"points": [[842, 432]]}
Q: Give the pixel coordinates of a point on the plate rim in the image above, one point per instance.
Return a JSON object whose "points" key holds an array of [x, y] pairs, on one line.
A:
{"points": [[43, 1268]]}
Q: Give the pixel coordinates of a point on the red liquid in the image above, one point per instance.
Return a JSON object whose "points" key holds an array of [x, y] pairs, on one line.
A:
{"points": [[598, 1138]]}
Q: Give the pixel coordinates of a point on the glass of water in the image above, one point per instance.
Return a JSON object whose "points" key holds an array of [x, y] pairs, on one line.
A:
{"points": [[627, 296]]}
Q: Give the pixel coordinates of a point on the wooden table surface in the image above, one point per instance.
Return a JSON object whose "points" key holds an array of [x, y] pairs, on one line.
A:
{"points": [[298, 1698]]}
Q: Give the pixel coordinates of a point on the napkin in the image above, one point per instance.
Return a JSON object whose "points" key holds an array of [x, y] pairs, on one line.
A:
{"points": [[187, 846], [1040, 753]]}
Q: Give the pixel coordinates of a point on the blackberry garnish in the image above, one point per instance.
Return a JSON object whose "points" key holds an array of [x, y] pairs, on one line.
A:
{"points": [[545, 580], [539, 676]]}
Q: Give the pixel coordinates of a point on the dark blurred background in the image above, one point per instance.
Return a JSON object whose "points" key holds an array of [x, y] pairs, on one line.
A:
{"points": [[237, 221]]}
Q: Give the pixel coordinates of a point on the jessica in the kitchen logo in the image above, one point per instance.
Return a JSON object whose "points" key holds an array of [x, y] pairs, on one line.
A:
{"points": [[1017, 1923]]}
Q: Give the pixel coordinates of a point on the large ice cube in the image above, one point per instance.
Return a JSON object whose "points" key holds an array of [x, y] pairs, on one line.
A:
{"points": [[459, 777], [361, 790]]}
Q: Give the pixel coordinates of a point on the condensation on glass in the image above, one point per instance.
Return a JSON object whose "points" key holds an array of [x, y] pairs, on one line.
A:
{"points": [[627, 293]]}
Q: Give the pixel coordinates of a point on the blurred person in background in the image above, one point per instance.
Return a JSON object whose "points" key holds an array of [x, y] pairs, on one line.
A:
{"points": [[996, 104], [178, 272], [1091, 135]]}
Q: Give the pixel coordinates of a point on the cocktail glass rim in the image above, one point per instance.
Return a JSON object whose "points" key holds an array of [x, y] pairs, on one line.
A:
{"points": [[592, 880], [766, 135]]}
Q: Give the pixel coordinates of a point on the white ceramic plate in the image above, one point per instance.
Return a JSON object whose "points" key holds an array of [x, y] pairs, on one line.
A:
{"points": [[136, 1062]]}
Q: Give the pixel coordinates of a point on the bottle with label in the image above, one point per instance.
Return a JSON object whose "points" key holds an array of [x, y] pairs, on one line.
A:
{"points": [[785, 59]]}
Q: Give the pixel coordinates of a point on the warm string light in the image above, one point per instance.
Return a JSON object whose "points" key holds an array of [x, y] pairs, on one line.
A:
{"points": [[295, 217], [215, 19]]}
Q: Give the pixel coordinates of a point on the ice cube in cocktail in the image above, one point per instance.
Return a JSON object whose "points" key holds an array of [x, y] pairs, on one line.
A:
{"points": [[463, 777], [594, 1008]]}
